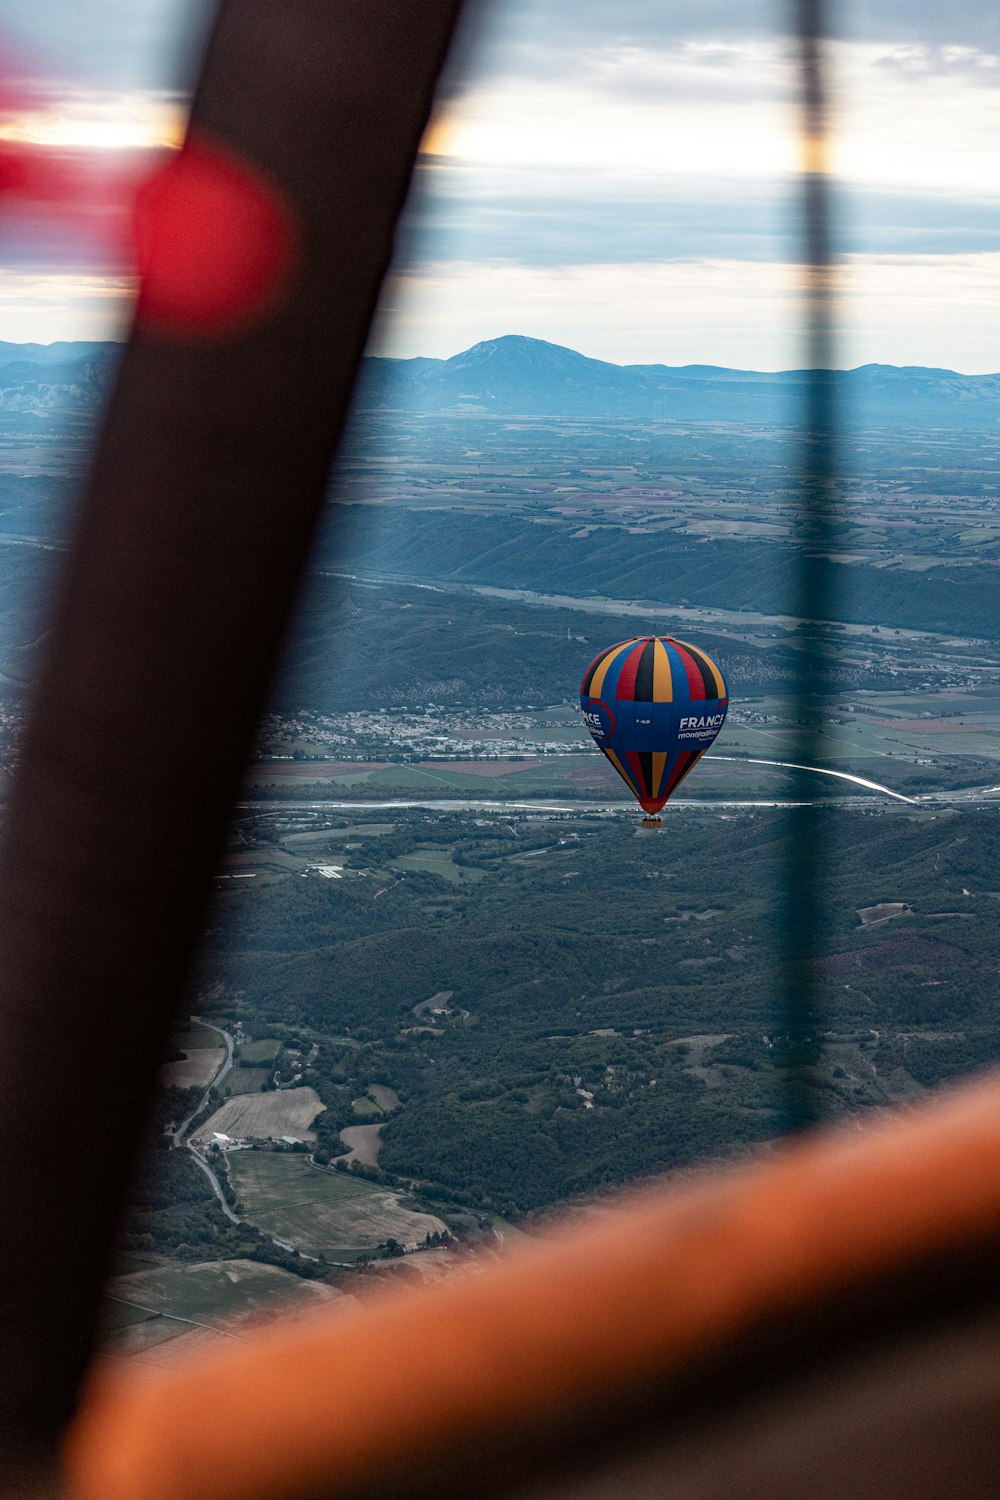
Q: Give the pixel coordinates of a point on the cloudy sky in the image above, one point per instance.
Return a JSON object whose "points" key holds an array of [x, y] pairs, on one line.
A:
{"points": [[616, 175]]}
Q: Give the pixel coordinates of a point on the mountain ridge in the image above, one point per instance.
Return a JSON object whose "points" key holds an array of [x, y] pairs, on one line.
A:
{"points": [[517, 375]]}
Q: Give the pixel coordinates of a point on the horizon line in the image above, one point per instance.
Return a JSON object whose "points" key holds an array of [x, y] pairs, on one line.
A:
{"points": [[631, 365]]}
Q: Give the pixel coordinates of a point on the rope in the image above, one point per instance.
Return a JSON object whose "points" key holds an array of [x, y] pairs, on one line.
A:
{"points": [[803, 902]]}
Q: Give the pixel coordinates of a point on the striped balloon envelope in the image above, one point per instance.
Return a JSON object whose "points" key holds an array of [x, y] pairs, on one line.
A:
{"points": [[654, 705]]}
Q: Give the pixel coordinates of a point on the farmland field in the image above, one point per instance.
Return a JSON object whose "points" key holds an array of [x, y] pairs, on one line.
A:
{"points": [[365, 1106], [244, 1081], [363, 1143], [435, 861], [213, 1292], [259, 1054], [267, 1116], [204, 1057], [385, 1097], [330, 1213], [330, 836], [148, 1337], [196, 1070]]}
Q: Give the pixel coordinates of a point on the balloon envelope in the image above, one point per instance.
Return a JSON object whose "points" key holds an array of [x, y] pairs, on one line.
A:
{"points": [[654, 705]]}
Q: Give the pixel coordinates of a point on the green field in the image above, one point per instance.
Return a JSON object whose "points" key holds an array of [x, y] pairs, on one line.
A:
{"points": [[331, 837], [259, 1054], [440, 776], [244, 1081], [118, 1315], [365, 1107], [320, 1212], [149, 1334], [212, 1292], [434, 860]]}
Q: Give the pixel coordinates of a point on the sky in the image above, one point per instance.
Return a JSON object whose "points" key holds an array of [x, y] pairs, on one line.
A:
{"points": [[614, 175]]}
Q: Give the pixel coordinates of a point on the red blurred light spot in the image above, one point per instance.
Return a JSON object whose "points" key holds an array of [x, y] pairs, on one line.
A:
{"points": [[15, 175], [215, 242], [35, 175]]}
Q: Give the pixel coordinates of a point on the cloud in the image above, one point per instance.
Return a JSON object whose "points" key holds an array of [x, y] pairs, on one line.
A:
{"points": [[703, 165], [545, 38], [42, 308], [576, 217], [909, 310], [129, 44], [967, 66], [593, 161], [725, 312], [901, 114]]}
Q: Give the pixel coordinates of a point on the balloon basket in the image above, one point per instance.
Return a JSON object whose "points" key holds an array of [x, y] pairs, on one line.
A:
{"points": [[651, 822]]}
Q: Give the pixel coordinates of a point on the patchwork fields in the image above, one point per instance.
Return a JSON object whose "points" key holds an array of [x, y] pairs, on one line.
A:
{"points": [[323, 1212], [196, 1302]]}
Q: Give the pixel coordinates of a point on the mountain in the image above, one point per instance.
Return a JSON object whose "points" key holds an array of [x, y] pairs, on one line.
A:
{"points": [[517, 376], [60, 376], [46, 355]]}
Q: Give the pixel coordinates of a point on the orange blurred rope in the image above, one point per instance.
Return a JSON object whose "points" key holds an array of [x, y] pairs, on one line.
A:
{"points": [[461, 1387]]}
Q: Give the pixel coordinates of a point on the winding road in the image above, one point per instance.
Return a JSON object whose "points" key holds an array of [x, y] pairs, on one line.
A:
{"points": [[178, 1136], [178, 1140], [216, 1184], [214, 1082]]}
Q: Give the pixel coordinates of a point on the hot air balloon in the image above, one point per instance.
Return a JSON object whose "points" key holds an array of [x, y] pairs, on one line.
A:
{"points": [[654, 705]]}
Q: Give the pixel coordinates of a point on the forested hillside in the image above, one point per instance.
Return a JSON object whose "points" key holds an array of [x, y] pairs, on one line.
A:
{"points": [[607, 1001]]}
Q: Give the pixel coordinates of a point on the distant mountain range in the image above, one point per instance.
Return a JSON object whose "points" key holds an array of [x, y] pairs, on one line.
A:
{"points": [[55, 377], [518, 376]]}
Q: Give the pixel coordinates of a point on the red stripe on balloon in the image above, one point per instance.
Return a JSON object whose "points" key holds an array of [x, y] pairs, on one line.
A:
{"points": [[626, 679], [694, 677], [632, 756], [683, 761]]}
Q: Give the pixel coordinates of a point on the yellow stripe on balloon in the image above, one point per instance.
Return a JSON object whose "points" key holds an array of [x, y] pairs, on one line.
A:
{"points": [[663, 686], [659, 762], [602, 671]]}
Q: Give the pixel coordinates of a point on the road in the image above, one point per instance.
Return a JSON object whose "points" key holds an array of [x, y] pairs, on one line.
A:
{"points": [[216, 1184], [790, 765], [24, 539], [977, 796], [477, 805], [214, 1084], [533, 809], [203, 1165], [178, 1136]]}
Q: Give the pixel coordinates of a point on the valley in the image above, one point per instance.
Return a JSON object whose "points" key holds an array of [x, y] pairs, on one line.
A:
{"points": [[465, 991]]}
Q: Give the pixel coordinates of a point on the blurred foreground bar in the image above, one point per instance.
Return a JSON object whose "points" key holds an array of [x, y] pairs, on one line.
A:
{"points": [[193, 531]]}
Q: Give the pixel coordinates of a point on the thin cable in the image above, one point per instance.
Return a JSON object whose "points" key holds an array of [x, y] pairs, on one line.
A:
{"points": [[804, 905]]}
